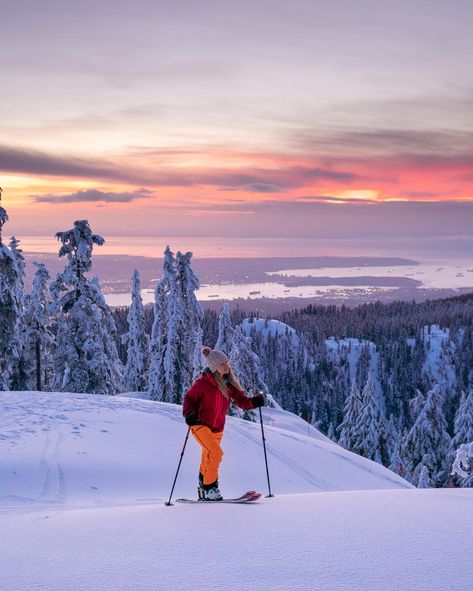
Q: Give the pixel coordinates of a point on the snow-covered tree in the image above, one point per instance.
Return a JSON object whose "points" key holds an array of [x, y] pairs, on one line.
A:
{"points": [[416, 404], [166, 379], [225, 331], [331, 433], [37, 337], [85, 357], [176, 337], [351, 412], [388, 439], [10, 311], [190, 321], [19, 372], [157, 343], [429, 436], [366, 436], [397, 461], [422, 473], [463, 464], [136, 339], [246, 365], [463, 427]]}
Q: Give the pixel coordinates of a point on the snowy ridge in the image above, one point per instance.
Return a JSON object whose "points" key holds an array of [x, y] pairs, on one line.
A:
{"points": [[269, 327], [79, 449]]}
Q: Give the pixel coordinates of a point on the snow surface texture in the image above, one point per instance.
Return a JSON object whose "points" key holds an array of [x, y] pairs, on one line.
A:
{"points": [[87, 449], [82, 484]]}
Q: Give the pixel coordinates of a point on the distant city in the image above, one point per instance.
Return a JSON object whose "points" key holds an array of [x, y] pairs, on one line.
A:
{"points": [[275, 283]]}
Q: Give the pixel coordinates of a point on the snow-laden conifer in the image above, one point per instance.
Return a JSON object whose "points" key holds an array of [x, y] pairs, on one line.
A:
{"points": [[37, 337], [463, 464], [246, 365], [85, 357], [10, 311], [173, 374], [176, 337], [136, 340], [366, 435], [421, 474], [225, 331], [429, 436], [157, 343], [351, 412], [191, 320], [463, 427]]}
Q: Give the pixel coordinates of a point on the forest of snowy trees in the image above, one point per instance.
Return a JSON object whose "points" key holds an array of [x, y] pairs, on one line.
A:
{"points": [[391, 382]]}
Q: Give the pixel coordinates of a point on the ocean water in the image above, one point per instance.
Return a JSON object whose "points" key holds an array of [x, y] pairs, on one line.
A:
{"points": [[442, 262], [435, 249]]}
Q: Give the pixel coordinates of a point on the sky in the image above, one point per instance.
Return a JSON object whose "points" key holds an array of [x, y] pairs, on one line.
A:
{"points": [[315, 118]]}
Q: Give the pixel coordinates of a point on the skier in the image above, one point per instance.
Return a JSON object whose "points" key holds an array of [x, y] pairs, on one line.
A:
{"points": [[204, 407]]}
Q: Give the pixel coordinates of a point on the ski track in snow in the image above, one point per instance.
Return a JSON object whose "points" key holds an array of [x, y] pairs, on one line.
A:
{"points": [[285, 458], [66, 450]]}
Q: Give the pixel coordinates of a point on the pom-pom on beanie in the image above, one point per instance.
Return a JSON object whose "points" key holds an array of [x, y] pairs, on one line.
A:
{"points": [[213, 358]]}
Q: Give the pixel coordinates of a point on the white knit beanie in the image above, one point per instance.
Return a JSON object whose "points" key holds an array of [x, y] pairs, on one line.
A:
{"points": [[213, 358]]}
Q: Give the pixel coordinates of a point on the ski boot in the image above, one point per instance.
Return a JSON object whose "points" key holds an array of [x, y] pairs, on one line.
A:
{"points": [[211, 492]]}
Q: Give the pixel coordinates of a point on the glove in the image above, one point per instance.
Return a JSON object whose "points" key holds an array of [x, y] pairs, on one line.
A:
{"points": [[192, 419], [258, 400]]}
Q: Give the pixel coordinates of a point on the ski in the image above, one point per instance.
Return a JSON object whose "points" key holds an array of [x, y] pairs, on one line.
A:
{"points": [[248, 497]]}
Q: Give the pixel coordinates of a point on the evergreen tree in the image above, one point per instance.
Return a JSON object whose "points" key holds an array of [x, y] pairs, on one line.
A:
{"points": [[429, 436], [158, 340], [10, 310], [397, 462], [225, 331], [463, 464], [37, 338], [176, 338], [331, 433], [136, 339], [190, 329], [463, 429], [416, 404], [366, 437], [19, 371], [85, 357], [388, 439], [246, 365], [351, 412], [421, 473]]}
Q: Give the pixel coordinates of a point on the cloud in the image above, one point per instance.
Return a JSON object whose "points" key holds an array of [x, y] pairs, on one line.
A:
{"points": [[252, 179], [385, 141], [333, 199], [91, 195], [16, 160], [262, 188]]}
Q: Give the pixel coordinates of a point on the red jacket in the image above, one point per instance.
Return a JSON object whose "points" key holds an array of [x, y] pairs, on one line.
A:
{"points": [[209, 404]]}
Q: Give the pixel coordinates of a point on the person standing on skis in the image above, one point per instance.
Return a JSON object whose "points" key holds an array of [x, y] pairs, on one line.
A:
{"points": [[205, 406]]}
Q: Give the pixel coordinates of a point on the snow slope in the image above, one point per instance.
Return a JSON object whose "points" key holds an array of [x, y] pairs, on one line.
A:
{"points": [[82, 484], [85, 449], [390, 540]]}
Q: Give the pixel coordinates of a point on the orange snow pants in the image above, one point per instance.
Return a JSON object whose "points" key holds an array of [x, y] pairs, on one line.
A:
{"points": [[212, 453]]}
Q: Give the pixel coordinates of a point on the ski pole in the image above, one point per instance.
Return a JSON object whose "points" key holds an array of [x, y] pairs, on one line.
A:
{"points": [[264, 447], [169, 504]]}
